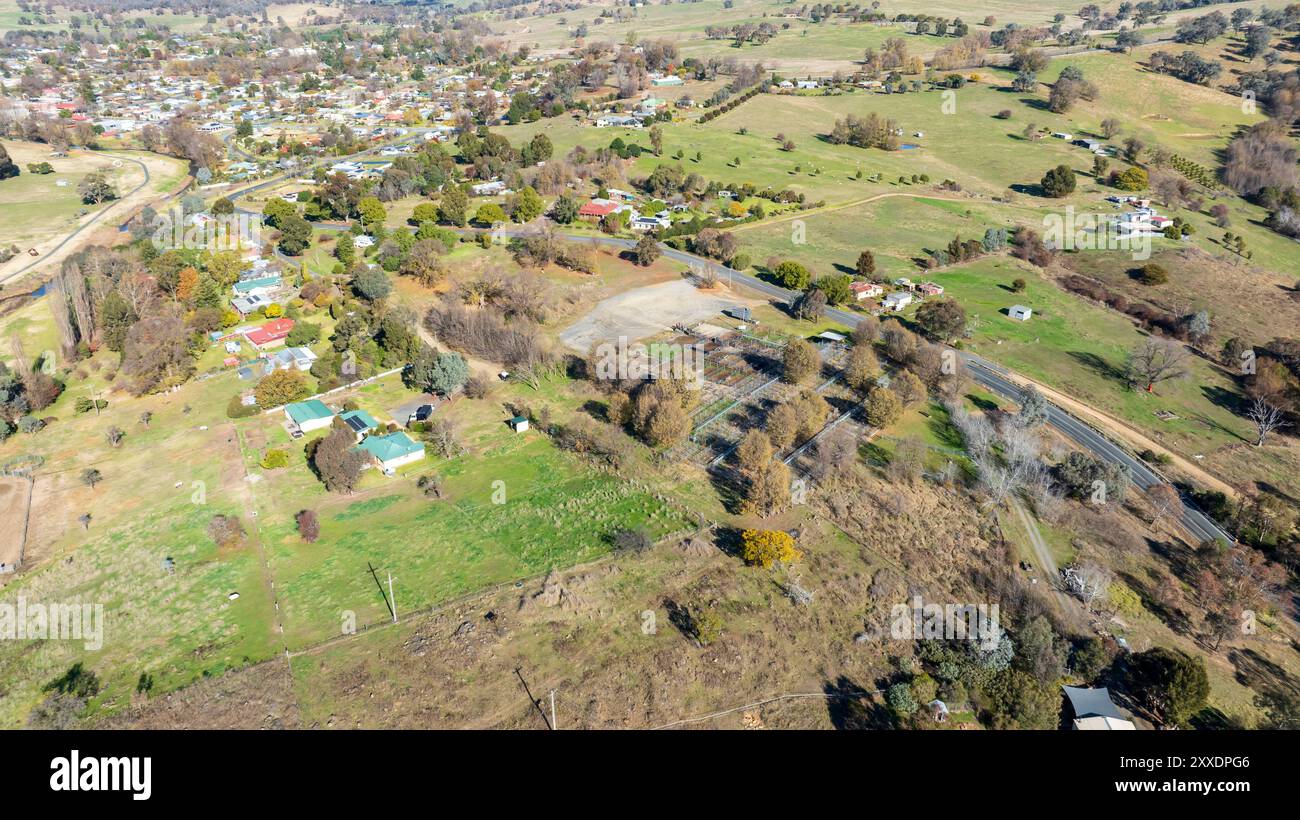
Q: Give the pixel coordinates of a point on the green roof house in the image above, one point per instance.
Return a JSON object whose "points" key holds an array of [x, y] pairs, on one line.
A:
{"points": [[392, 450], [360, 421], [263, 284], [309, 415]]}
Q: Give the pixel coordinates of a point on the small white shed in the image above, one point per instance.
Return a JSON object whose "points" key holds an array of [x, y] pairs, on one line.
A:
{"points": [[1020, 313]]}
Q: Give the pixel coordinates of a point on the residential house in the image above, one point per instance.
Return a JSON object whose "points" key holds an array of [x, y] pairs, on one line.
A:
{"points": [[930, 289], [271, 334], [1094, 710], [649, 223], [597, 209], [866, 290], [392, 450], [245, 305], [897, 300], [261, 285], [617, 121], [491, 188], [360, 422], [298, 358]]}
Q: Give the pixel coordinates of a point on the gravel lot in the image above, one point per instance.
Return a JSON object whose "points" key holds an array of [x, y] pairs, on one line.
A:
{"points": [[644, 312]]}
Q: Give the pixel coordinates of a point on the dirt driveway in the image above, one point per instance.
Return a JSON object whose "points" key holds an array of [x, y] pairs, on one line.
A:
{"points": [[644, 312], [147, 174]]}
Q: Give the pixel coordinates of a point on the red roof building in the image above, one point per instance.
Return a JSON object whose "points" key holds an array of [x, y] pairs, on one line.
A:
{"points": [[598, 208], [271, 334], [865, 290]]}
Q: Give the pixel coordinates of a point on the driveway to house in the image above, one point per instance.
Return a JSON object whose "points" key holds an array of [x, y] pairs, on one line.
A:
{"points": [[403, 411]]}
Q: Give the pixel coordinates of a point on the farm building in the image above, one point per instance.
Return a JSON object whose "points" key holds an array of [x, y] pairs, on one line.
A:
{"points": [[1020, 313], [309, 415]]}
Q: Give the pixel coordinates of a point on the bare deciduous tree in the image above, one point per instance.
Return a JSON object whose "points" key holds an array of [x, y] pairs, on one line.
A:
{"points": [[1266, 419], [1157, 360], [1089, 582], [1164, 501]]}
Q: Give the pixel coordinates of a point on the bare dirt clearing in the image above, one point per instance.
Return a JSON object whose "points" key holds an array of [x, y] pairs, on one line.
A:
{"points": [[645, 312]]}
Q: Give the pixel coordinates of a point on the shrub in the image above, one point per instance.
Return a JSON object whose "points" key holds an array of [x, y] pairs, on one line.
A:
{"points": [[1059, 181], [1134, 179], [275, 459], [308, 525], [766, 547], [632, 540], [1153, 274], [792, 275]]}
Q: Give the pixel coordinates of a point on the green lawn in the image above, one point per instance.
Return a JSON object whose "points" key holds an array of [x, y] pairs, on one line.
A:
{"points": [[438, 550]]}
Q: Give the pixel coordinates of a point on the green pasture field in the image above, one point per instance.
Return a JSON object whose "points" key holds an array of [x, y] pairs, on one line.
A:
{"points": [[1081, 349]]}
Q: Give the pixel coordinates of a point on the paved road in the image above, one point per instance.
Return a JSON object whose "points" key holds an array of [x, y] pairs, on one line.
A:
{"points": [[995, 378]]}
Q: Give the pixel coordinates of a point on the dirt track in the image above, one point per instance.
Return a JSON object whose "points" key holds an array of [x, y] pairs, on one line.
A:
{"points": [[101, 224]]}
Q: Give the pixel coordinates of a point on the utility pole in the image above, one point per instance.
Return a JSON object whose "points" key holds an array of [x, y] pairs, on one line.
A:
{"points": [[553, 726], [390, 596]]}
